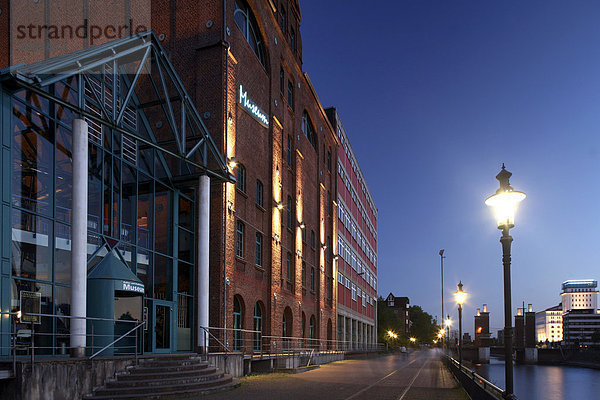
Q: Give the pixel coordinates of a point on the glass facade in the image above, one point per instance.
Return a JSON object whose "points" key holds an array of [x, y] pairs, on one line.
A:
{"points": [[133, 210]]}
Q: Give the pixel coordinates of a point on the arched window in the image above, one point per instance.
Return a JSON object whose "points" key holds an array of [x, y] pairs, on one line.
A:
{"points": [[244, 19], [311, 328], [240, 177], [303, 274], [258, 326], [238, 313], [309, 129]]}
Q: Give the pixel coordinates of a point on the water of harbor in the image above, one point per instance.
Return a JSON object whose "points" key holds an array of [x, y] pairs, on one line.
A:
{"points": [[545, 382]]}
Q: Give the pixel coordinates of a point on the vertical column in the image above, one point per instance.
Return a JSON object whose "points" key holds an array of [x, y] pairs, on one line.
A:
{"points": [[343, 333], [79, 239], [203, 202], [351, 344]]}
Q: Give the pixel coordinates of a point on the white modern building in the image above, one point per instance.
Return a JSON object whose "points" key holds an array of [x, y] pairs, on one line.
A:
{"points": [[579, 295], [549, 324]]}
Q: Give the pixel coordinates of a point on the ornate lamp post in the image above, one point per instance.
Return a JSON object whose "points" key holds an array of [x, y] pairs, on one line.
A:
{"points": [[505, 203], [460, 296]]}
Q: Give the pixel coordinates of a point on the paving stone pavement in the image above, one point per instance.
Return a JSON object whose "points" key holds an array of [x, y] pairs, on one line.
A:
{"points": [[415, 376]]}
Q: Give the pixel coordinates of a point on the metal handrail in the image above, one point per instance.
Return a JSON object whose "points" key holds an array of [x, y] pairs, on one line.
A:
{"points": [[206, 329], [121, 337], [479, 380]]}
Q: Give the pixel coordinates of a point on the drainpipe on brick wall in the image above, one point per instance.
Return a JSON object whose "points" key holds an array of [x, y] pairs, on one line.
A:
{"points": [[225, 127]]}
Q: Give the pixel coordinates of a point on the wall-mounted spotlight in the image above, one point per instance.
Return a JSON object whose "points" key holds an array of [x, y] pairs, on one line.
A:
{"points": [[230, 205], [298, 253], [302, 225], [323, 246], [279, 205], [336, 256], [276, 237], [233, 162]]}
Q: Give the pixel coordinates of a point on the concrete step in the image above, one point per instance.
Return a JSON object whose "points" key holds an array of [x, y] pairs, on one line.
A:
{"points": [[134, 374], [174, 380], [161, 389], [174, 394], [147, 369], [164, 362]]}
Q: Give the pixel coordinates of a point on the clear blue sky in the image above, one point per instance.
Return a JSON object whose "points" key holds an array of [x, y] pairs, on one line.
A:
{"points": [[435, 96]]}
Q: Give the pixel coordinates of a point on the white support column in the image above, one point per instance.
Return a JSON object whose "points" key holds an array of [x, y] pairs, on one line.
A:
{"points": [[344, 333], [79, 238], [203, 201]]}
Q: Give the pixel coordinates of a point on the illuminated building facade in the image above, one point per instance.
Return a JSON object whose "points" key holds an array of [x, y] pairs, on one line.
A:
{"points": [[549, 324], [273, 236], [357, 246]]}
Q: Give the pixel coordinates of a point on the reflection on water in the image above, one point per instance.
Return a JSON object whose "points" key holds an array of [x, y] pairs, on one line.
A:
{"points": [[545, 382]]}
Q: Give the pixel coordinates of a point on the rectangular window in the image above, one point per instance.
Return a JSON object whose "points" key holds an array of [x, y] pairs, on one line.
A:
{"points": [[292, 39], [353, 292], [289, 267], [329, 160], [259, 193], [239, 239], [289, 212], [303, 274], [312, 279], [304, 234], [290, 95], [312, 239], [258, 258], [290, 145], [281, 81], [329, 204]]}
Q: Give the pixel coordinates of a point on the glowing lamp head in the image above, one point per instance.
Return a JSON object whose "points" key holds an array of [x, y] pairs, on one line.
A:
{"points": [[302, 225], [280, 206], [505, 201], [19, 315], [460, 295], [233, 163], [448, 322], [412, 339]]}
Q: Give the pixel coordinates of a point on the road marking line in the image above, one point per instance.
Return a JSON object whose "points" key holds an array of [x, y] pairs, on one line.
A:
{"points": [[373, 384], [413, 380]]}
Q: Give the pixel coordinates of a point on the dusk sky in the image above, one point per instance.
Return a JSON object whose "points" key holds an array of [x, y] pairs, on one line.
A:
{"points": [[435, 96]]}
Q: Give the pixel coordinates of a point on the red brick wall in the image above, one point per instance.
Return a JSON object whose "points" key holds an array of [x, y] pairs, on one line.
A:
{"points": [[199, 57]]}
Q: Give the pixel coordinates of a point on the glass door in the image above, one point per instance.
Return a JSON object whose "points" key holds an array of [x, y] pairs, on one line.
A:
{"points": [[162, 327]]}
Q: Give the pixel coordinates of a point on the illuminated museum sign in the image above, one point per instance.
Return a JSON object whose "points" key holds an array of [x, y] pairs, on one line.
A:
{"points": [[128, 286], [252, 108]]}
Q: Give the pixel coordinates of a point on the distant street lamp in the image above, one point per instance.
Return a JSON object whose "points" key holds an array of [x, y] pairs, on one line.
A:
{"points": [[442, 268], [448, 323], [460, 296], [505, 203]]}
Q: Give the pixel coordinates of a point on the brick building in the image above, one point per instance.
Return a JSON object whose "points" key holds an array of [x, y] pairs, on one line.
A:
{"points": [[401, 307], [357, 246], [275, 272]]}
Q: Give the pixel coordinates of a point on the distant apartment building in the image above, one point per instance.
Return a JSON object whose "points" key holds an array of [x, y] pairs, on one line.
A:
{"points": [[400, 306], [575, 319], [548, 324], [579, 295], [356, 244], [580, 311]]}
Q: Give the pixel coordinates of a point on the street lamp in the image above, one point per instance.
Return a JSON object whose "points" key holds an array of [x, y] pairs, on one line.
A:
{"points": [[448, 323], [460, 297], [505, 203], [442, 268]]}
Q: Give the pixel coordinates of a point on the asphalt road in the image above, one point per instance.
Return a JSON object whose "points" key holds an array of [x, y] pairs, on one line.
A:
{"points": [[414, 376]]}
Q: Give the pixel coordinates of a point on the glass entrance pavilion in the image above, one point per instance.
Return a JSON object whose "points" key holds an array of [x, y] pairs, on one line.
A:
{"points": [[148, 157]]}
